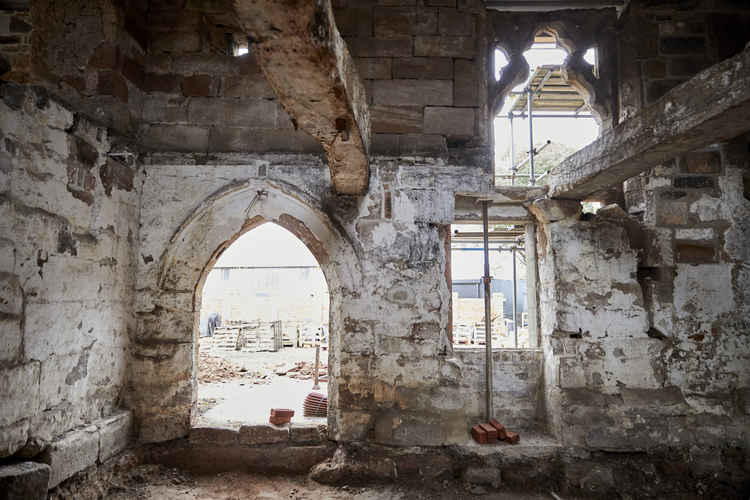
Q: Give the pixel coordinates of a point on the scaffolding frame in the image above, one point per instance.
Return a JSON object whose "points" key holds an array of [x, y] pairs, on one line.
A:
{"points": [[546, 93]]}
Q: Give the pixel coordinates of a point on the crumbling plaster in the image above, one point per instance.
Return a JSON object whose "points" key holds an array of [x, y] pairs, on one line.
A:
{"points": [[68, 234], [392, 364]]}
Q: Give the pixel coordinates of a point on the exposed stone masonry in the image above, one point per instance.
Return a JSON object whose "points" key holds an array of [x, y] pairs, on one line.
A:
{"points": [[133, 140]]}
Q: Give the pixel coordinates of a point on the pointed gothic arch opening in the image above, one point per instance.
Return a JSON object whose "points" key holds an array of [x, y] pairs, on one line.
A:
{"points": [[264, 312]]}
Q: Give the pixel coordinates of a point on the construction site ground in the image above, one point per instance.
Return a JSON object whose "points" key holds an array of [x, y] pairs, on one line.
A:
{"points": [[239, 388], [158, 482]]}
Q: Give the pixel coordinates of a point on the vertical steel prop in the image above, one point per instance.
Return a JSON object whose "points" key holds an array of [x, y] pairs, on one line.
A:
{"points": [[515, 297], [487, 310], [532, 180]]}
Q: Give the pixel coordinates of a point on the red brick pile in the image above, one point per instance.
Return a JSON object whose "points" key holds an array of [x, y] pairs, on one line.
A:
{"points": [[493, 431], [280, 416]]}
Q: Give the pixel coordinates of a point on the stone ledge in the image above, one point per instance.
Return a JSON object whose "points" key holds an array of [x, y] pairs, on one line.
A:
{"points": [[24, 481]]}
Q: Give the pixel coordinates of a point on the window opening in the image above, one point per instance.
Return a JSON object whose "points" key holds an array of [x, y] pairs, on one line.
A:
{"points": [[507, 257], [264, 310], [561, 122]]}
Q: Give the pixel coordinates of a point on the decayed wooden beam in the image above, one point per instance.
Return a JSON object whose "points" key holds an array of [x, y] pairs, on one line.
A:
{"points": [[308, 65], [711, 107]]}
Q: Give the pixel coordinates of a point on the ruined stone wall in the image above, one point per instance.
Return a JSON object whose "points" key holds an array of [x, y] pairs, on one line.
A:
{"points": [[420, 66], [15, 45], [85, 53], [423, 67], [661, 46], [68, 230], [395, 379], [645, 317]]}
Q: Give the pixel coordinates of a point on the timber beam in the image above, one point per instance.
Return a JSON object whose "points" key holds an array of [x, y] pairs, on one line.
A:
{"points": [[308, 65], [711, 107]]}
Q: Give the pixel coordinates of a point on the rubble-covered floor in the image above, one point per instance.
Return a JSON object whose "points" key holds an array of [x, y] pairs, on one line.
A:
{"points": [[158, 482], [240, 388]]}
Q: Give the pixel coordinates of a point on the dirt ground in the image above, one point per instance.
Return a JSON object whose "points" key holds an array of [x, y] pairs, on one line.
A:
{"points": [[236, 387], [148, 482], [259, 367]]}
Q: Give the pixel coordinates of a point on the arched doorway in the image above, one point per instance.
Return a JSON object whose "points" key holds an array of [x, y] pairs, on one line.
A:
{"points": [[163, 394], [264, 319]]}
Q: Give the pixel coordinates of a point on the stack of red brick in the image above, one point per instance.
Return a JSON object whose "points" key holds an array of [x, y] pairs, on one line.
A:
{"points": [[493, 431], [280, 416]]}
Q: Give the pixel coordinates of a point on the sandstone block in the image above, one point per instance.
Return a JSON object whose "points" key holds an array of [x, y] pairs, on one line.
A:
{"points": [[451, 122], [354, 21], [374, 68], [702, 163], [10, 342], [175, 137], [19, 392], [465, 83], [445, 46], [213, 435], [24, 481], [398, 21], [380, 47], [482, 475], [547, 210], [111, 83], [307, 434], [253, 435], [13, 437], [252, 85], [157, 82], [115, 434], [396, 119], [427, 68], [197, 86], [71, 454], [453, 22], [413, 93], [694, 254]]}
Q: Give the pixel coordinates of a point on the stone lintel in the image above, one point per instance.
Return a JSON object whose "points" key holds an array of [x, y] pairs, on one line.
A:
{"points": [[711, 107]]}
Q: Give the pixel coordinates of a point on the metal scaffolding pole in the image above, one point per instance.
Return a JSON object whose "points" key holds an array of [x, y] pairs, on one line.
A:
{"points": [[487, 310], [512, 151], [515, 297], [530, 96]]}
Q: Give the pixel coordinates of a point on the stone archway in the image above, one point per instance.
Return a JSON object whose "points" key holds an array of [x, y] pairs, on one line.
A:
{"points": [[164, 389]]}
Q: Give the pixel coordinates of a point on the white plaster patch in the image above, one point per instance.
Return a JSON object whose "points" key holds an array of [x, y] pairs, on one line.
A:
{"points": [[703, 292], [705, 233], [706, 208]]}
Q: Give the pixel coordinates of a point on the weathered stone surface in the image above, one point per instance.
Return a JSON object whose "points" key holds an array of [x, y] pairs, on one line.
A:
{"points": [[423, 68], [303, 65], [677, 122], [412, 92], [115, 434], [374, 68], [450, 122], [72, 453], [263, 434], [19, 389], [24, 481], [547, 210], [396, 119], [213, 435], [307, 434], [445, 46]]}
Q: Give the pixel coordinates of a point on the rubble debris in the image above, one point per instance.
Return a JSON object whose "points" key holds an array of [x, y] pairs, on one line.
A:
{"points": [[218, 369], [303, 370]]}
